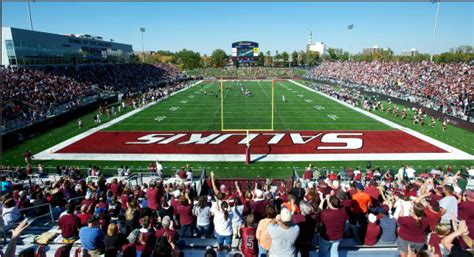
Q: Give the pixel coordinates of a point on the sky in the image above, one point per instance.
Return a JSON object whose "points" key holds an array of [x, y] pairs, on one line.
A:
{"points": [[282, 26]]}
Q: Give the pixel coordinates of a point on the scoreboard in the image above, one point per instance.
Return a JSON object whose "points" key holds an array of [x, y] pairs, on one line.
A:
{"points": [[245, 51]]}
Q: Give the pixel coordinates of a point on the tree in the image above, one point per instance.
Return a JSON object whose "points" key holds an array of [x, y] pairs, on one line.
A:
{"points": [[261, 59], [218, 58], [312, 58], [189, 60], [206, 61], [294, 58], [284, 59], [268, 59], [332, 55], [302, 58]]}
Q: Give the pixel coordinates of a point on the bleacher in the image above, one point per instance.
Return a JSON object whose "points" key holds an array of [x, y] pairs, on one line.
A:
{"points": [[190, 246]]}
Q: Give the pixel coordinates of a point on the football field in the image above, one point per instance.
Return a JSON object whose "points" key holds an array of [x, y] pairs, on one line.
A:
{"points": [[281, 120], [198, 109]]}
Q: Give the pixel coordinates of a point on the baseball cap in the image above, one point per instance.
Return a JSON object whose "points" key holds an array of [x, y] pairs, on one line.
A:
{"points": [[372, 218], [285, 215], [176, 193]]}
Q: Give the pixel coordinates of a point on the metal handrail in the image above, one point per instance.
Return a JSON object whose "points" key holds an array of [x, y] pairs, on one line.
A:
{"points": [[34, 207], [50, 208]]}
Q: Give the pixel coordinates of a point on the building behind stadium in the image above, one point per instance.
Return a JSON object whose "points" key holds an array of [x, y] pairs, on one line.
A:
{"points": [[22, 47]]}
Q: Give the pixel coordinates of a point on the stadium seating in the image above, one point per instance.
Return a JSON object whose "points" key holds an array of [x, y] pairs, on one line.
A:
{"points": [[389, 193], [443, 87]]}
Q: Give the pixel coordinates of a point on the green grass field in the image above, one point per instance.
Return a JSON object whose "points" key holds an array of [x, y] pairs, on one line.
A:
{"points": [[193, 110]]}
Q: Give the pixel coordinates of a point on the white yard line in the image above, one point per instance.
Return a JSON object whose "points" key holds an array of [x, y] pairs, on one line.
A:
{"points": [[46, 154], [259, 157], [452, 150]]}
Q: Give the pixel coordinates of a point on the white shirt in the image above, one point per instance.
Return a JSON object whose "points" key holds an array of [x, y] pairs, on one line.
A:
{"points": [[221, 226], [410, 172], [398, 208], [450, 204]]}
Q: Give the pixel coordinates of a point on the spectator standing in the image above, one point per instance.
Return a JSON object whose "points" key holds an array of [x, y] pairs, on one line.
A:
{"points": [[203, 213], [69, 225], [264, 239], [249, 243], [388, 226], [113, 240], [333, 220], [307, 221], [283, 234], [223, 227], [186, 220], [412, 230], [237, 217], [448, 205], [362, 201], [132, 216]]}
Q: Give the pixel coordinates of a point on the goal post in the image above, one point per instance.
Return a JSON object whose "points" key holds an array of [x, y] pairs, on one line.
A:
{"points": [[272, 103]]}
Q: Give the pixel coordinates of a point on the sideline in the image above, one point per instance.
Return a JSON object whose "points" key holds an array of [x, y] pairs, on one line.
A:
{"points": [[48, 153], [455, 153]]}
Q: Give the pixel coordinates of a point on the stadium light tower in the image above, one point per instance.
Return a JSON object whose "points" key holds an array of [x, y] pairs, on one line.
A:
{"points": [[142, 30], [350, 27], [435, 27], [29, 14]]}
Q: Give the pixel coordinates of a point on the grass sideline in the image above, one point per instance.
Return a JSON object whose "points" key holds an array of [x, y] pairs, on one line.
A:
{"points": [[456, 137]]}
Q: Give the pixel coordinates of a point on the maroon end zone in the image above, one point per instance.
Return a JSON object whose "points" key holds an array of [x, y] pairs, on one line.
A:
{"points": [[274, 142]]}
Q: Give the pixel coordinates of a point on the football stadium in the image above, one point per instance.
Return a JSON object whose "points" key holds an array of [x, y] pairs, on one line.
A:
{"points": [[235, 148]]}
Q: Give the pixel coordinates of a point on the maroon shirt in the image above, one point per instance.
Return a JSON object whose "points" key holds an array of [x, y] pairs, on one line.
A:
{"points": [[124, 199], [435, 197], [89, 203], [69, 225], [174, 204], [408, 230], [434, 242], [171, 235], [145, 249], [182, 174], [152, 194], [432, 218], [333, 222], [83, 217], [373, 192], [115, 189], [466, 212], [372, 234], [249, 245], [258, 208], [185, 214], [307, 226]]}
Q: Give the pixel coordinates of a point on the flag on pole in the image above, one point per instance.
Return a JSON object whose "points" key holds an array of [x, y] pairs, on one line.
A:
{"points": [[351, 26]]}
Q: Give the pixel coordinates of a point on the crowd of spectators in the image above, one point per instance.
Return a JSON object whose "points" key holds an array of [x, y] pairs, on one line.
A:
{"points": [[29, 94], [428, 214], [354, 97], [246, 72], [446, 87]]}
